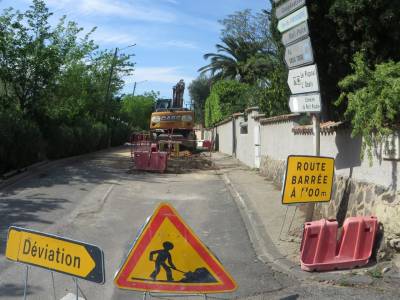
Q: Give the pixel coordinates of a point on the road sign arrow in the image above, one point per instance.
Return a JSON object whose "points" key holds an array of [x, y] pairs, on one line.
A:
{"points": [[299, 16], [295, 34], [303, 80], [55, 253], [305, 103], [299, 54], [287, 7]]}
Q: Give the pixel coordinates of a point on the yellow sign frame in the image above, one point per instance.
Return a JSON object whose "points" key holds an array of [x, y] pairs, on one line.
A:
{"points": [[308, 179], [55, 253]]}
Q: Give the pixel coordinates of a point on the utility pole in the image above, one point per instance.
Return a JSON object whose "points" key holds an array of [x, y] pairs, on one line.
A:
{"points": [[134, 89], [107, 102], [107, 99], [135, 85]]}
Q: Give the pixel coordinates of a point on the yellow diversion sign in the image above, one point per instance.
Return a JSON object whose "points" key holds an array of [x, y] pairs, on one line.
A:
{"points": [[308, 179], [55, 253]]}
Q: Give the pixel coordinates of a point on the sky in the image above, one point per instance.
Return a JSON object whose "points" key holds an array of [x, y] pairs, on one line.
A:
{"points": [[171, 36]]}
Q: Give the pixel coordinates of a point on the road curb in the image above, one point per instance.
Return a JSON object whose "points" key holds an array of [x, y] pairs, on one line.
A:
{"points": [[262, 242]]}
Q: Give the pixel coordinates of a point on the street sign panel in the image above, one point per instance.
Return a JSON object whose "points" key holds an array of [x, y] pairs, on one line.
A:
{"points": [[295, 34], [168, 257], [294, 19], [308, 179], [287, 7], [305, 103], [55, 253], [299, 54], [303, 80]]}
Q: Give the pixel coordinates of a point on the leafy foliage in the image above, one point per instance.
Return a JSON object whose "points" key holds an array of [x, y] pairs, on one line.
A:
{"points": [[339, 29], [52, 89], [199, 90], [136, 110], [226, 98], [251, 53], [373, 97]]}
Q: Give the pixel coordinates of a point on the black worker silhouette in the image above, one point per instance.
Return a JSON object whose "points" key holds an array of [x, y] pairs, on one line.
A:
{"points": [[163, 256]]}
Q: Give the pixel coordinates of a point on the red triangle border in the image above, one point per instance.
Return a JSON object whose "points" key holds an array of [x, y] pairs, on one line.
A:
{"points": [[167, 211]]}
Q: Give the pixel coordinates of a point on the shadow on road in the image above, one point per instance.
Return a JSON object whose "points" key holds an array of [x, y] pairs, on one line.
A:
{"points": [[19, 212], [16, 290]]}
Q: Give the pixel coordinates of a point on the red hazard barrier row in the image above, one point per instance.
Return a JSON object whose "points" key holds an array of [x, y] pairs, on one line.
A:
{"points": [[322, 251]]}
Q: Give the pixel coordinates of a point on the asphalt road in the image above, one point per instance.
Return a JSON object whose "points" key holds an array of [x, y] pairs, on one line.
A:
{"points": [[97, 200]]}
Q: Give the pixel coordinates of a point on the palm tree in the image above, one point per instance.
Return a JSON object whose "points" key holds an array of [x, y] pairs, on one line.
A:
{"points": [[234, 59]]}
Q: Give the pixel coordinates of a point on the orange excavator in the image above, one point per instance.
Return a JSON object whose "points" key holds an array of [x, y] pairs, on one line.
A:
{"points": [[172, 122]]}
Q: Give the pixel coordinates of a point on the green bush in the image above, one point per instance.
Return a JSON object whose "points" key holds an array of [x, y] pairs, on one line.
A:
{"points": [[21, 142], [373, 96], [227, 97]]}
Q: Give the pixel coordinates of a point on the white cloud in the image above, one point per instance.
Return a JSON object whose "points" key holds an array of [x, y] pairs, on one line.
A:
{"points": [[124, 36], [180, 44], [114, 37], [158, 74], [116, 8], [172, 1]]}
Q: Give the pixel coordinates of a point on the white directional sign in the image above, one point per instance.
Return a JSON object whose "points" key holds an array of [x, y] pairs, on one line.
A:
{"points": [[295, 34], [299, 54], [305, 103], [299, 16], [287, 7], [303, 80]]}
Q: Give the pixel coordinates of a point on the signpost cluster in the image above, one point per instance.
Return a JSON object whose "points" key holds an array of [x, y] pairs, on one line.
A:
{"points": [[303, 82], [299, 57]]}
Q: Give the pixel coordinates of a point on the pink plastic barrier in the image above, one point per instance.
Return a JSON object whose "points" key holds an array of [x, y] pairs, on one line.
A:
{"points": [[151, 161], [320, 250], [207, 144]]}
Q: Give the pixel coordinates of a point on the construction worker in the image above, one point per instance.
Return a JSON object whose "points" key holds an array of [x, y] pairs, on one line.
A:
{"points": [[163, 256]]}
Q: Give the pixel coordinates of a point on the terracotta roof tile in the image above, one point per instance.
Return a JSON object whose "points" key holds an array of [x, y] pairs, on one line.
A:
{"points": [[279, 119], [326, 127]]}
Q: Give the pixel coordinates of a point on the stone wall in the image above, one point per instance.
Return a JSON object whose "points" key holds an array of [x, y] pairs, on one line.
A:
{"points": [[360, 187], [351, 198]]}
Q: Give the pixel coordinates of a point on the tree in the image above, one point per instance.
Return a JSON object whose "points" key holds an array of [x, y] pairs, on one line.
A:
{"points": [[226, 97], [136, 110], [199, 90], [339, 29], [248, 27], [373, 97], [245, 49], [52, 89]]}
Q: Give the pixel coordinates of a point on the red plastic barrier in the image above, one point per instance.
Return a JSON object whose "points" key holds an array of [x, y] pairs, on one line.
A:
{"points": [[151, 161], [320, 250], [207, 144]]}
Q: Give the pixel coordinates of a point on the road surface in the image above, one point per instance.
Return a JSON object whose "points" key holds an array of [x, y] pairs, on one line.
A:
{"points": [[97, 199]]}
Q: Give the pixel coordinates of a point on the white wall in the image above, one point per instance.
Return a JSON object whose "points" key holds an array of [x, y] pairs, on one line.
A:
{"points": [[225, 138], [278, 141], [245, 142]]}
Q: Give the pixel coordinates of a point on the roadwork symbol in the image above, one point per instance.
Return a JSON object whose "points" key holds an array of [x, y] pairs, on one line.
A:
{"points": [[168, 257], [55, 253]]}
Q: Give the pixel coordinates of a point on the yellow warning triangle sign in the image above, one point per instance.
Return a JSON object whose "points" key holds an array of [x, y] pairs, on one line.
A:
{"points": [[168, 257]]}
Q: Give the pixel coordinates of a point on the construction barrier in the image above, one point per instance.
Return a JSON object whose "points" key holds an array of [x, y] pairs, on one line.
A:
{"points": [[322, 251], [151, 161]]}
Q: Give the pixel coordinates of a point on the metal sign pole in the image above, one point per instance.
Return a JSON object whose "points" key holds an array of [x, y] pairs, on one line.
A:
{"points": [[54, 287], [317, 152], [26, 281], [76, 288], [283, 222]]}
